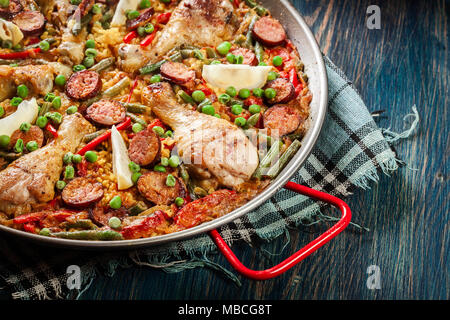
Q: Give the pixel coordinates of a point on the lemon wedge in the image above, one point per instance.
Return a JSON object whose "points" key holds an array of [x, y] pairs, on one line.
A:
{"points": [[27, 111], [120, 160], [239, 76]]}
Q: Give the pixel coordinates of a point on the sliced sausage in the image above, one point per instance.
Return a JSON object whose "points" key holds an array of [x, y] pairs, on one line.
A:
{"points": [[106, 112], [284, 88], [83, 8], [269, 32], [33, 134], [144, 147], [14, 8], [249, 56], [82, 192], [83, 85], [31, 23], [142, 20], [177, 72], [101, 217], [281, 120], [152, 185]]}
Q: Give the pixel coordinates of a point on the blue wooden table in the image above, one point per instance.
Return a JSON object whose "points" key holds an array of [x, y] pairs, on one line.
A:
{"points": [[404, 63]]}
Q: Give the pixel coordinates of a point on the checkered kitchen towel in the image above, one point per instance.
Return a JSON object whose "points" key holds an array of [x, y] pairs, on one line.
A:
{"points": [[350, 153]]}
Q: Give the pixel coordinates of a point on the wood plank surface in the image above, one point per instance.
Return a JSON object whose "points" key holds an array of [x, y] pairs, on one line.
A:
{"points": [[405, 63]]}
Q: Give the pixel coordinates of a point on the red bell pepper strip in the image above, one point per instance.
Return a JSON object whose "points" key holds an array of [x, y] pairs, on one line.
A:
{"points": [[293, 78], [20, 54], [30, 227], [148, 39], [105, 136], [163, 18], [82, 168], [132, 89], [130, 36], [30, 217], [236, 3], [52, 130], [156, 123]]}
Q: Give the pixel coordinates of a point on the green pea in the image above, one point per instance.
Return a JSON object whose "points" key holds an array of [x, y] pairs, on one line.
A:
{"points": [[158, 130], [258, 92], [174, 161], [170, 181], [169, 133], [224, 98], [4, 3], [77, 158], [69, 173], [60, 80], [164, 161], [32, 146], [60, 184], [45, 232], [159, 168], [231, 91], [134, 167], [96, 9], [7, 44], [155, 79], [44, 45], [270, 93], [25, 127], [78, 67], [18, 147], [240, 121], [2, 111], [114, 222], [17, 47], [272, 75], [90, 43], [90, 156], [49, 97], [208, 109], [89, 61], [15, 101], [198, 96], [244, 93], [149, 28], [277, 61], [216, 62], [56, 103], [137, 127], [262, 64], [133, 14], [236, 109], [141, 31], [217, 115], [224, 48], [179, 201], [22, 91], [67, 158], [198, 55], [254, 108], [4, 141], [231, 58], [135, 177], [144, 4], [71, 109], [116, 202], [239, 59], [41, 122], [55, 117], [90, 52]]}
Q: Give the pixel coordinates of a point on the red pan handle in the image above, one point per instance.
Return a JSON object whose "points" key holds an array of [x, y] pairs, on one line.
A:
{"points": [[303, 252]]}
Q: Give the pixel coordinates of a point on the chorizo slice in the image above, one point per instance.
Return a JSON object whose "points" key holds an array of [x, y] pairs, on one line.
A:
{"points": [[281, 120], [144, 147], [83, 85], [269, 32], [146, 227], [152, 185], [106, 112], [249, 56], [142, 20], [101, 217], [14, 8], [33, 134], [31, 23], [82, 192], [284, 88], [177, 72]]}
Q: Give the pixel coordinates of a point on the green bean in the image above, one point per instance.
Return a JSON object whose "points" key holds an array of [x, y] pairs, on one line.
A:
{"points": [[81, 23], [101, 235], [45, 107], [136, 108], [249, 38], [253, 120], [150, 68], [240, 39], [203, 103], [91, 136], [250, 3], [211, 53], [198, 54], [137, 209], [186, 98], [136, 119], [80, 224], [295, 136], [103, 64], [10, 155], [265, 163], [261, 11], [284, 159], [117, 88], [188, 46], [259, 51], [187, 53]]}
